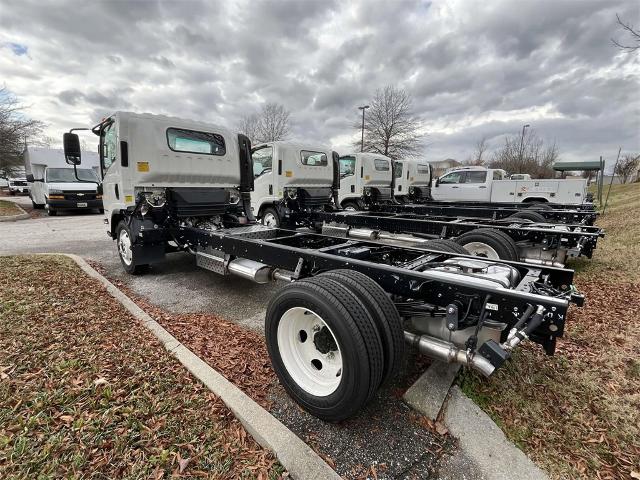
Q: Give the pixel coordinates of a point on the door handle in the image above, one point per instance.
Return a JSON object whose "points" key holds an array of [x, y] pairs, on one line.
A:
{"points": [[482, 186], [455, 187]]}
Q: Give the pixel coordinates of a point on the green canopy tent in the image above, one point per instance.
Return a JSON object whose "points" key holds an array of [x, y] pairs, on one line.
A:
{"points": [[584, 165]]}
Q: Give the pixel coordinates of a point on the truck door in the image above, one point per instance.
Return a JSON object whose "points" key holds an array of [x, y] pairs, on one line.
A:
{"points": [[400, 172], [265, 180], [349, 174], [447, 187], [112, 188], [475, 187]]}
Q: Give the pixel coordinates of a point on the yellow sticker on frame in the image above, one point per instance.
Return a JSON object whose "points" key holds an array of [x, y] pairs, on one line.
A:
{"points": [[143, 166]]}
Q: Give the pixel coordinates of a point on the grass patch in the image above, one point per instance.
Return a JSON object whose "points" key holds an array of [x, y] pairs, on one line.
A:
{"points": [[8, 209], [577, 414], [86, 391]]}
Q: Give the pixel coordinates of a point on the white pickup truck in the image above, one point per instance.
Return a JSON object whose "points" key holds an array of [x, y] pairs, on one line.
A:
{"points": [[479, 184]]}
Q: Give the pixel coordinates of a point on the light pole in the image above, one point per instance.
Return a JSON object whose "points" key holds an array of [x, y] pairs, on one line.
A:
{"points": [[363, 108], [522, 145]]}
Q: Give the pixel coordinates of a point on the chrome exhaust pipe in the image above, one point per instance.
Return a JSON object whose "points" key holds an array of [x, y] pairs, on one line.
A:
{"points": [[449, 353], [250, 269]]}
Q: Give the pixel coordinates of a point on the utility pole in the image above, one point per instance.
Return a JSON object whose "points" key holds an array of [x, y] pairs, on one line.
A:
{"points": [[363, 108], [522, 145]]}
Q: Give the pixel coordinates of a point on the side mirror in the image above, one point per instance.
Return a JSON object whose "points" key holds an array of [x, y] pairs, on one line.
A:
{"points": [[437, 181], [72, 152], [30, 178]]}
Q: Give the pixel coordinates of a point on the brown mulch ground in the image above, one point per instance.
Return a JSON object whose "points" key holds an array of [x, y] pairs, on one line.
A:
{"points": [[85, 390], [236, 352]]}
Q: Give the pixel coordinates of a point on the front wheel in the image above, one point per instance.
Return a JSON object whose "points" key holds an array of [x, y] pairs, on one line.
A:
{"points": [[350, 206], [126, 251], [489, 243], [270, 217], [51, 212]]}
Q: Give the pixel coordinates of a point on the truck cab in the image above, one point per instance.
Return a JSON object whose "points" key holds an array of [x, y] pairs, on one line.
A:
{"points": [[419, 180], [365, 179], [290, 176], [466, 183]]}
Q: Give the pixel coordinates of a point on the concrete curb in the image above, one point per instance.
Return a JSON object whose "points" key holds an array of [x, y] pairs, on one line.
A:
{"points": [[12, 218], [295, 455], [487, 454]]}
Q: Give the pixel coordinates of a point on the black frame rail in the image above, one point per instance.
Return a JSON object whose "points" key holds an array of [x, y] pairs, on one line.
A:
{"points": [[396, 270], [490, 211], [578, 240]]}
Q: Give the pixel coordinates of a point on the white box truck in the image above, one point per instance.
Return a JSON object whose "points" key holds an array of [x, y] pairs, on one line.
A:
{"points": [[480, 184], [54, 185], [365, 178]]}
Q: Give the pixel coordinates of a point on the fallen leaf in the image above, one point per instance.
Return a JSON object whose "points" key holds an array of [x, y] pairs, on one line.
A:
{"points": [[183, 462]]}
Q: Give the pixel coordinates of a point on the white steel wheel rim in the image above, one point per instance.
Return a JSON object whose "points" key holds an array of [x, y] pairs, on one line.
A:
{"points": [[302, 342], [124, 247], [350, 209], [270, 220], [481, 249]]}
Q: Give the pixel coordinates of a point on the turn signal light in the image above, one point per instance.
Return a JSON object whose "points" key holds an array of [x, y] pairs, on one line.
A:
{"points": [[56, 197]]}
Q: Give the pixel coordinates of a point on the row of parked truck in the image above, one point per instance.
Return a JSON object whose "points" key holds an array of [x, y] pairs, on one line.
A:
{"points": [[360, 285]]}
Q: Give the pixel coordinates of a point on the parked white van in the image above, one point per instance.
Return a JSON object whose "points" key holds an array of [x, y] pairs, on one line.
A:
{"points": [[287, 173], [18, 185], [365, 178], [53, 183]]}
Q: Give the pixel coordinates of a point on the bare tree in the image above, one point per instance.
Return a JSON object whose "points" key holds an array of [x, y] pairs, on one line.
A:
{"points": [[390, 128], [478, 158], [526, 155], [15, 129], [627, 167], [635, 37], [270, 124]]}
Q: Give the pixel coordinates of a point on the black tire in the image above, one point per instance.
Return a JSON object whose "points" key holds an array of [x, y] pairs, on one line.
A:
{"points": [[500, 242], [355, 334], [101, 210], [529, 215], [271, 211], [51, 212], [540, 206], [384, 314], [353, 205], [444, 245], [131, 267]]}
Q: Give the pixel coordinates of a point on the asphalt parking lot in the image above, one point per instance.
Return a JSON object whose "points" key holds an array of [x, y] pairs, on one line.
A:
{"points": [[176, 284]]}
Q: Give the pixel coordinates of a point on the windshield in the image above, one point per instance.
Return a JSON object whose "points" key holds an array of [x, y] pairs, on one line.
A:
{"points": [[66, 175], [262, 160]]}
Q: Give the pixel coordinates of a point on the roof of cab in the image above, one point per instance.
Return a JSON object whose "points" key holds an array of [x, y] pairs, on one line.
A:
{"points": [[176, 121], [296, 146]]}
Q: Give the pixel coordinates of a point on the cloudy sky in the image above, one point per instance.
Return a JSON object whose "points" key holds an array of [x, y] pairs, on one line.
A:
{"points": [[473, 68]]}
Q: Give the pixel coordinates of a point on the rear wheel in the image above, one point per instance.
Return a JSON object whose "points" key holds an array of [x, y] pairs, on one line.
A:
{"points": [[324, 347], [124, 241], [489, 243], [350, 206], [384, 314], [270, 217], [444, 245], [531, 215], [540, 206]]}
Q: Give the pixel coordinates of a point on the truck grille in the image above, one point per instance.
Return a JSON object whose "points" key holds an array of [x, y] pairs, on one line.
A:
{"points": [[79, 196]]}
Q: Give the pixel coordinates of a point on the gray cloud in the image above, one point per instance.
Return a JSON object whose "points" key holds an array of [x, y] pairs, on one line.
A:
{"points": [[474, 69]]}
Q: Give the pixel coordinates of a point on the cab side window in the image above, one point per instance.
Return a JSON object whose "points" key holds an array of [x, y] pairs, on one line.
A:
{"points": [[262, 160], [452, 178], [476, 177], [109, 144], [347, 166], [497, 175]]}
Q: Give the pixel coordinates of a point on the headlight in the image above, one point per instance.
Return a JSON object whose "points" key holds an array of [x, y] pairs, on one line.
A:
{"points": [[234, 196], [55, 191], [291, 193]]}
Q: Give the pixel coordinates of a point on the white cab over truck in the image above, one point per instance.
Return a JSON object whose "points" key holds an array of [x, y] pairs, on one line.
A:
{"points": [[336, 331], [364, 178], [54, 185], [479, 184], [411, 180], [289, 175]]}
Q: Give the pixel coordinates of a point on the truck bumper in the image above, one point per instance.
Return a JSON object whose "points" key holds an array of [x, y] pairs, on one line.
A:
{"points": [[74, 204]]}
